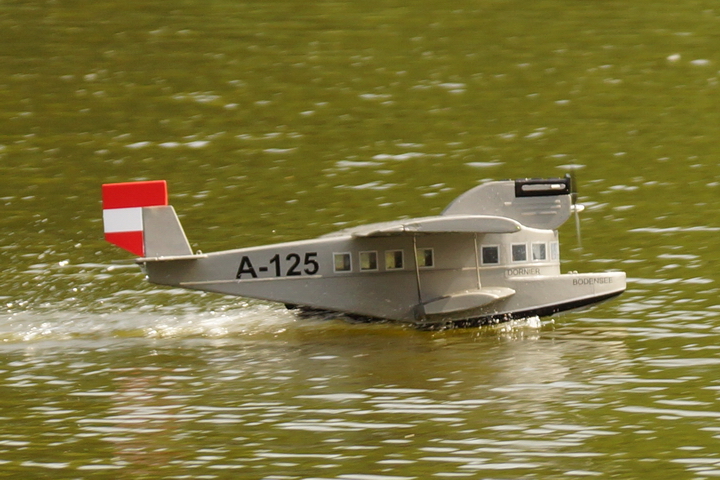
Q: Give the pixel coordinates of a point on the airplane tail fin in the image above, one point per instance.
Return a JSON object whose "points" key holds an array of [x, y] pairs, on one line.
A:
{"points": [[137, 217]]}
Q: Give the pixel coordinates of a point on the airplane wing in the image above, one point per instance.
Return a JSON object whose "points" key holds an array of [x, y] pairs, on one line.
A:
{"points": [[438, 224]]}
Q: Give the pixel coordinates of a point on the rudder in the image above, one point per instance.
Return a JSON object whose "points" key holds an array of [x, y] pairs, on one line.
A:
{"points": [[137, 217]]}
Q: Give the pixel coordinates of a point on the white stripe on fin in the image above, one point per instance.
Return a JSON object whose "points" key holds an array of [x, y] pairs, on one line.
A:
{"points": [[123, 220]]}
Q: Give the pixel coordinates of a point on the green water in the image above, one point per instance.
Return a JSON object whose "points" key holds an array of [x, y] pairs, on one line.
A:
{"points": [[282, 120]]}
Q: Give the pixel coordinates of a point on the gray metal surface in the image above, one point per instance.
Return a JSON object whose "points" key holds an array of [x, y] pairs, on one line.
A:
{"points": [[163, 233]]}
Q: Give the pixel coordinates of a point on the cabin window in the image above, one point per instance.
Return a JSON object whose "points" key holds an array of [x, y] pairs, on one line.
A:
{"points": [[539, 251], [368, 261], [519, 252], [490, 255], [554, 251], [425, 257], [342, 262], [394, 259]]}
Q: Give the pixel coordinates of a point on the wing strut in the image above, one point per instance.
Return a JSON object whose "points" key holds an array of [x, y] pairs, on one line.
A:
{"points": [[477, 261], [417, 270]]}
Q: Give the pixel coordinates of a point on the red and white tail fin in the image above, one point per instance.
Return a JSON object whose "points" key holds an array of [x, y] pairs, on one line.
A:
{"points": [[137, 217]]}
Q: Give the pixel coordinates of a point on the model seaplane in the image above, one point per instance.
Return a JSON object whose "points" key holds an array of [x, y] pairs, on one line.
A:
{"points": [[492, 255]]}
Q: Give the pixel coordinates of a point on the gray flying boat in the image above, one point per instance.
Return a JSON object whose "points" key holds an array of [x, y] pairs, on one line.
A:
{"points": [[492, 255]]}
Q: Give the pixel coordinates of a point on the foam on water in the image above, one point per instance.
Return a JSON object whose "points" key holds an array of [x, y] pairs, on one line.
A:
{"points": [[245, 320]]}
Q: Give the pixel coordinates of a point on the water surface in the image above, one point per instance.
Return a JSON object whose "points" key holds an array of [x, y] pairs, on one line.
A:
{"points": [[277, 121]]}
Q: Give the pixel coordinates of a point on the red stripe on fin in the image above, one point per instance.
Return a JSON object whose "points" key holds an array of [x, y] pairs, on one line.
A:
{"points": [[134, 194], [130, 241]]}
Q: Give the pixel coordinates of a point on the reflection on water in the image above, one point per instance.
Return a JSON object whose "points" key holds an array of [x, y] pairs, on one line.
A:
{"points": [[277, 121], [373, 399]]}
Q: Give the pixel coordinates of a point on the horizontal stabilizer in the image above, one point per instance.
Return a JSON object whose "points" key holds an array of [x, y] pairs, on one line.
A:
{"points": [[466, 300]]}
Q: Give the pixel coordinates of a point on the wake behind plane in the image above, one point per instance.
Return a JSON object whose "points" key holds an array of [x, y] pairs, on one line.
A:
{"points": [[492, 255]]}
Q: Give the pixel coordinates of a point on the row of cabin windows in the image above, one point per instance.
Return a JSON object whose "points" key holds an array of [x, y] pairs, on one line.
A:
{"points": [[394, 260], [519, 252]]}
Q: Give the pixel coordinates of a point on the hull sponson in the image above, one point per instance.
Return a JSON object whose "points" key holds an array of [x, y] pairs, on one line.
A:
{"points": [[546, 311]]}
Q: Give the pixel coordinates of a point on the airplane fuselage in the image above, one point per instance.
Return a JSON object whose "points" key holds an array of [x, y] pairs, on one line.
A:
{"points": [[409, 278], [493, 254]]}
